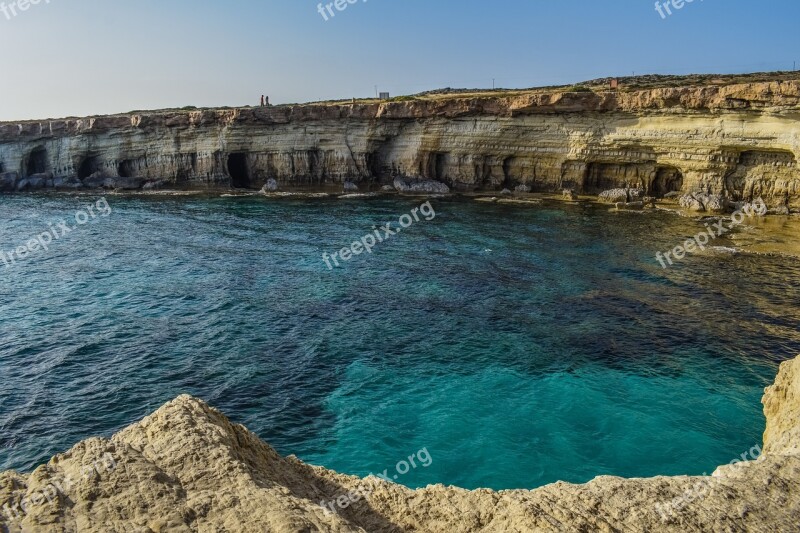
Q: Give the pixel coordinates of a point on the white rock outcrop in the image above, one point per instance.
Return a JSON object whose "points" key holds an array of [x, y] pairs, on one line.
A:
{"points": [[187, 468], [740, 141]]}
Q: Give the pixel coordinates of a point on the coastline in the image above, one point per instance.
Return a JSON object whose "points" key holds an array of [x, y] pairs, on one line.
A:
{"points": [[187, 467], [725, 139]]}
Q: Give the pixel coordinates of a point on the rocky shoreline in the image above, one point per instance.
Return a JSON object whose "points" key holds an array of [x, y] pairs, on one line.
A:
{"points": [[187, 468], [726, 140]]}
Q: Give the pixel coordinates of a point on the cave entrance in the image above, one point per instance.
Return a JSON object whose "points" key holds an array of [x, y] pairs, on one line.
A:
{"points": [[239, 171], [125, 169], [88, 166], [437, 166], [667, 180], [37, 162]]}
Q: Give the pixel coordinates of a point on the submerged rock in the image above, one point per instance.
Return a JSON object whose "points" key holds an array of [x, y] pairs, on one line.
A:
{"points": [[187, 468], [632, 206], [780, 210]]}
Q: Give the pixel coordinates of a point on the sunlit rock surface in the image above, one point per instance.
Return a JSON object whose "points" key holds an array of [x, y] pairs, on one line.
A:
{"points": [[188, 468], [739, 140]]}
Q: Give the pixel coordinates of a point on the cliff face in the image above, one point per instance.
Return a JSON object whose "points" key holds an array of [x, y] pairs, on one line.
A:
{"points": [[740, 140], [187, 468]]}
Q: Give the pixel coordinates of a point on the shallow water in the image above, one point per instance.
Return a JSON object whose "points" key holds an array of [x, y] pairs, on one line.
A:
{"points": [[519, 344]]}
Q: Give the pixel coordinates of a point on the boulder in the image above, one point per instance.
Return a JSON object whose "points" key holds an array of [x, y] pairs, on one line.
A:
{"points": [[153, 185], [95, 181], [714, 203], [614, 196], [8, 181], [421, 186], [69, 182], [522, 188], [32, 183], [634, 195], [349, 186], [704, 202], [127, 184], [756, 208], [691, 203], [270, 186], [506, 192], [569, 194]]}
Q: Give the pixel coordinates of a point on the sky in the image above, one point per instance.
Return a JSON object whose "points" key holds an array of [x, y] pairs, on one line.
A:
{"points": [[80, 57]]}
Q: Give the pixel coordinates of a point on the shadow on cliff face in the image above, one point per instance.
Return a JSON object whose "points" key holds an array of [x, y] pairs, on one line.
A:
{"points": [[126, 169], [89, 166], [37, 162], [667, 179], [269, 469], [325, 492]]}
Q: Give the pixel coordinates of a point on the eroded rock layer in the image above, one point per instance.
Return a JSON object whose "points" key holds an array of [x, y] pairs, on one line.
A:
{"points": [[187, 468], [740, 140]]}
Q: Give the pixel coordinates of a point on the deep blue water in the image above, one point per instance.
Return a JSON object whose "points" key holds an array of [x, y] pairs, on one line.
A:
{"points": [[520, 345]]}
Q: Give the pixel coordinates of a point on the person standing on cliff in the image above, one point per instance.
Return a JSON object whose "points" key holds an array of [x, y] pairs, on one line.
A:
{"points": [[262, 100]]}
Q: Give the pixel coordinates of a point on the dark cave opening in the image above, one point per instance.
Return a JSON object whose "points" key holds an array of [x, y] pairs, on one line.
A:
{"points": [[125, 169], [239, 171], [667, 180], [37, 162], [88, 166], [437, 166]]}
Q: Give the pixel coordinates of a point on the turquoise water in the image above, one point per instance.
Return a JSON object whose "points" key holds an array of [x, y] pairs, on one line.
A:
{"points": [[520, 345]]}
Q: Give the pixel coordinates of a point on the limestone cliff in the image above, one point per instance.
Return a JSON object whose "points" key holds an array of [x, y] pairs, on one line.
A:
{"points": [[721, 137], [187, 468]]}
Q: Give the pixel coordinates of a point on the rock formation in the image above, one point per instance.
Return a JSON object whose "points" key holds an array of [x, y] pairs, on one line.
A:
{"points": [[187, 468], [739, 140]]}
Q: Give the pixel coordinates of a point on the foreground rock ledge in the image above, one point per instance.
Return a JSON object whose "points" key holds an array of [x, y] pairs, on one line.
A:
{"points": [[187, 468]]}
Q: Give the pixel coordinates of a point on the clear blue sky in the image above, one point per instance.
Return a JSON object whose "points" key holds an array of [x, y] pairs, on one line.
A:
{"points": [[78, 57]]}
